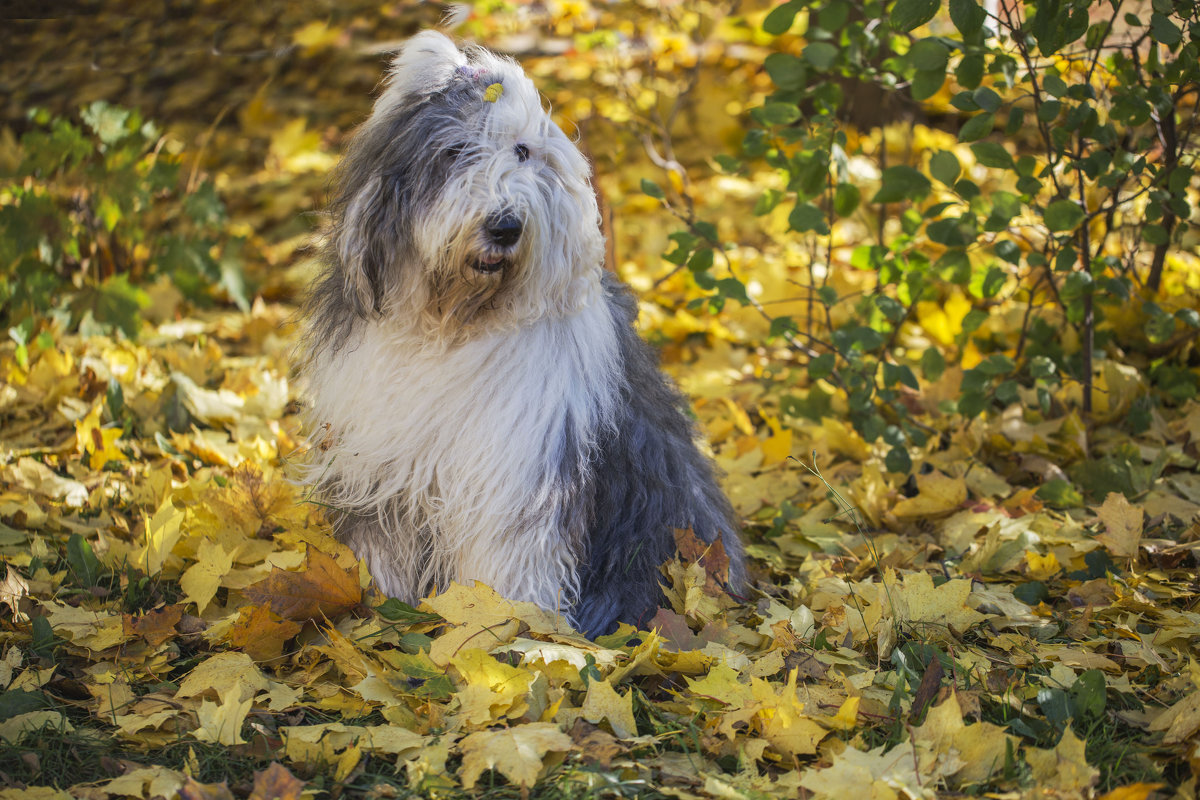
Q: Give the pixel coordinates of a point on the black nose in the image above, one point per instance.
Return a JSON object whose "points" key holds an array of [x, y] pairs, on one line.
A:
{"points": [[504, 230]]}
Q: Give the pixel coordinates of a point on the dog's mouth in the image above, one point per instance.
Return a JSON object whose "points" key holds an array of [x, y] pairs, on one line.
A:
{"points": [[490, 264]]}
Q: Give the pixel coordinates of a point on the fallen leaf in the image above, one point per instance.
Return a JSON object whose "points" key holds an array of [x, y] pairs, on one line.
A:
{"points": [[516, 753], [261, 633], [1122, 525], [320, 590], [276, 783], [156, 626]]}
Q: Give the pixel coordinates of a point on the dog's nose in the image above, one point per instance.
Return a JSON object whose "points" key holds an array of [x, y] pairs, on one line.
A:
{"points": [[505, 230]]}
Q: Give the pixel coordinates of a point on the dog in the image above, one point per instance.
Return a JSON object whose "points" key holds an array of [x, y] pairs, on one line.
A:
{"points": [[479, 404]]}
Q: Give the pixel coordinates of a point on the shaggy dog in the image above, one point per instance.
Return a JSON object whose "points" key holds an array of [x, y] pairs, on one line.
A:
{"points": [[481, 406]]}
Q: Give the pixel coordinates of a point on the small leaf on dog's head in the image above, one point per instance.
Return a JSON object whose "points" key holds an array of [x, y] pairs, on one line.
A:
{"points": [[493, 92]]}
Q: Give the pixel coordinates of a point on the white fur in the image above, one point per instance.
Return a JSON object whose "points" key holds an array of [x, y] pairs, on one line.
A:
{"points": [[450, 441]]}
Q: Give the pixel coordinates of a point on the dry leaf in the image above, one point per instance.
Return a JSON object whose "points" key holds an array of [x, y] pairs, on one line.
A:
{"points": [[320, 590]]}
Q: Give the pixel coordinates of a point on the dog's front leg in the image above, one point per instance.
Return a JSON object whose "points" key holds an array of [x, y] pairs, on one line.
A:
{"points": [[536, 565]]}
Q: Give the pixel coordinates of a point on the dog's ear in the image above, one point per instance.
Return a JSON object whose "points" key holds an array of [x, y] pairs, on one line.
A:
{"points": [[426, 62], [362, 245]]}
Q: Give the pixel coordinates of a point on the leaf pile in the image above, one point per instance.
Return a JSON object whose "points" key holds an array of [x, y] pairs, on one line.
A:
{"points": [[1017, 617]]}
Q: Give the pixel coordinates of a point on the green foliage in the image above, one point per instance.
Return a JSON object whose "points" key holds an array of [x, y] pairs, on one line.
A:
{"points": [[93, 214], [1077, 122]]}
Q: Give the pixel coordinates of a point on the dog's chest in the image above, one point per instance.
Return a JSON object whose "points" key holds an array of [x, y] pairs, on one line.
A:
{"points": [[481, 427]]}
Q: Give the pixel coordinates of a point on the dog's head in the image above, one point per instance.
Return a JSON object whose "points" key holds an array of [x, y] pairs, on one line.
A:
{"points": [[459, 202]]}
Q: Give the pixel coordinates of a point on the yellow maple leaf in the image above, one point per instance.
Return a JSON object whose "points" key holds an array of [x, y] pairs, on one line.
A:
{"points": [[516, 753], [1123, 523], [973, 752], [604, 703], [937, 493], [1042, 567], [202, 579], [229, 674], [918, 602], [162, 532], [1064, 768], [91, 629], [492, 689], [221, 723], [493, 92], [99, 443], [152, 781], [261, 633], [778, 446]]}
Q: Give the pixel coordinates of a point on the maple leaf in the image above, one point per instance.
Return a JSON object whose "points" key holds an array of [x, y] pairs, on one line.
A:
{"points": [[712, 557], [516, 753], [202, 579], [1064, 768], [604, 703], [156, 626], [261, 633], [276, 783], [97, 442], [934, 609], [1123, 523], [320, 590], [193, 790]]}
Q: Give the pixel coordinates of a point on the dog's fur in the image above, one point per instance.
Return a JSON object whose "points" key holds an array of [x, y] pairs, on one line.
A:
{"points": [[481, 406]]}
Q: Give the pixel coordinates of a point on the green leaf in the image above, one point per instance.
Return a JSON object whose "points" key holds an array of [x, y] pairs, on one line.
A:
{"points": [[767, 202], [733, 289], [927, 83], [1060, 494], [929, 54], [933, 363], [969, 71], [846, 198], [1088, 694], [781, 17], [787, 71], [900, 374], [977, 127], [114, 303], [945, 167], [83, 562], [986, 98], [821, 55], [1163, 30], [968, 17], [992, 154], [780, 113], [909, 14], [898, 460], [43, 642], [394, 610], [1155, 234], [781, 326], [902, 183], [821, 366], [701, 260], [807, 217], [653, 189], [1063, 215]]}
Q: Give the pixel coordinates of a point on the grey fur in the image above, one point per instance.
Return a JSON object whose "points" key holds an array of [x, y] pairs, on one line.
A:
{"points": [[618, 502]]}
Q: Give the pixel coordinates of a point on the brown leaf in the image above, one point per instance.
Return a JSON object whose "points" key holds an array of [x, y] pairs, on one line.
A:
{"points": [[155, 627], [191, 790], [261, 633], [321, 590], [712, 556], [276, 783]]}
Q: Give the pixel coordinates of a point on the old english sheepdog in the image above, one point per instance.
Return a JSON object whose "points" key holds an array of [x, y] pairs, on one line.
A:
{"points": [[480, 405]]}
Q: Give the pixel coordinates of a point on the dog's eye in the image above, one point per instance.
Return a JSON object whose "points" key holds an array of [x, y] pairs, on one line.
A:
{"points": [[522, 152]]}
